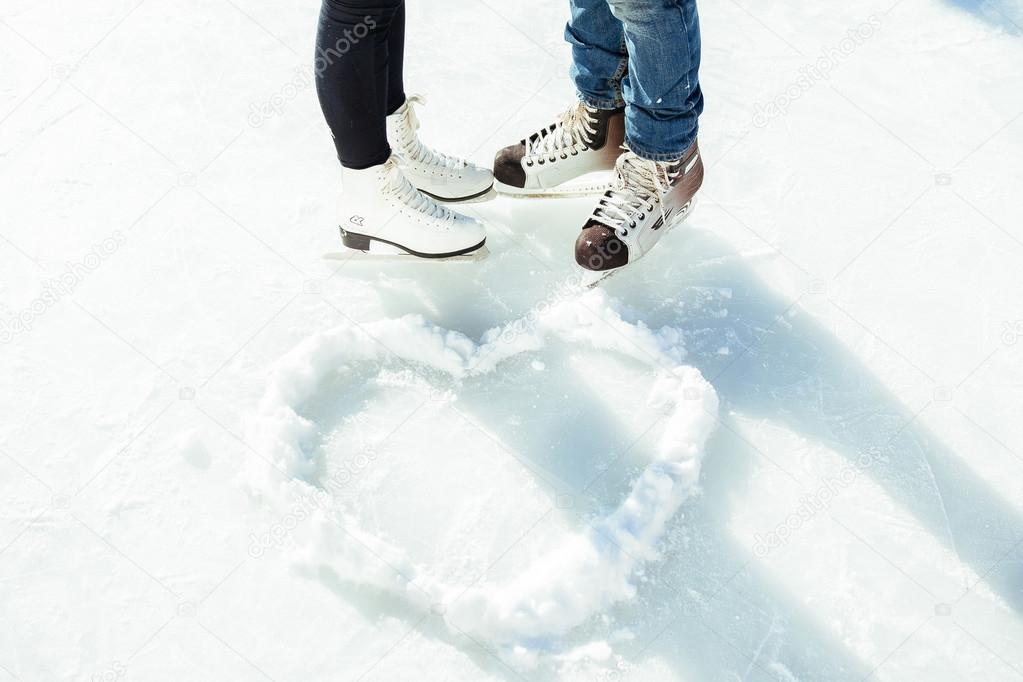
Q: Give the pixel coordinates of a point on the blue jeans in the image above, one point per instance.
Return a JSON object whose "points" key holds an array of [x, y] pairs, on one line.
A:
{"points": [[643, 55]]}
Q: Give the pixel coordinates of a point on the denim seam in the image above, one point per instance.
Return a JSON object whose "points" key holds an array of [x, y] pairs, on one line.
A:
{"points": [[619, 74], [689, 45], [616, 86]]}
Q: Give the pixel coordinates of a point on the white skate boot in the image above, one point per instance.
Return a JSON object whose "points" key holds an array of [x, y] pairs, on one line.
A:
{"points": [[572, 156], [647, 199], [439, 175], [382, 213]]}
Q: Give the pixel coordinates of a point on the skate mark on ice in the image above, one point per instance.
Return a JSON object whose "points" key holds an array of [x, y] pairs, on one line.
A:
{"points": [[592, 569], [799, 376]]}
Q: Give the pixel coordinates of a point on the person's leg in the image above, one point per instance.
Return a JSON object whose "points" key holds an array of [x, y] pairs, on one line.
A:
{"points": [[662, 86], [352, 77], [359, 81], [658, 177], [599, 59], [360, 54], [586, 139], [396, 61]]}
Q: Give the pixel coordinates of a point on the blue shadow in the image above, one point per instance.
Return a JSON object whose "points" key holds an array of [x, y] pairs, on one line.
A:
{"points": [[1006, 14]]}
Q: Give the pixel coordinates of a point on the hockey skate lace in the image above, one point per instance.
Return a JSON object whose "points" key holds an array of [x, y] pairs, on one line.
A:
{"points": [[638, 188], [413, 148], [574, 127], [405, 193]]}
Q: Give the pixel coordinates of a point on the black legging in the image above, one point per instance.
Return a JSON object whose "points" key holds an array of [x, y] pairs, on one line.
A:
{"points": [[360, 47]]}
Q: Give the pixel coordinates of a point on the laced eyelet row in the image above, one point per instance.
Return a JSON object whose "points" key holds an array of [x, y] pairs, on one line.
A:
{"points": [[551, 159]]}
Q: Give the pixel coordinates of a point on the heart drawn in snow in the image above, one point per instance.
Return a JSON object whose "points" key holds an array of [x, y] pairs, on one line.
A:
{"points": [[592, 568]]}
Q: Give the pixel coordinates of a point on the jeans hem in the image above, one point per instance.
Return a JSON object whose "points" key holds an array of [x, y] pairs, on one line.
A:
{"points": [[603, 104], [656, 155]]}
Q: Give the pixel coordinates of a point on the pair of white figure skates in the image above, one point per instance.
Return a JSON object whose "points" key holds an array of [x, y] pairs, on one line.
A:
{"points": [[396, 208]]}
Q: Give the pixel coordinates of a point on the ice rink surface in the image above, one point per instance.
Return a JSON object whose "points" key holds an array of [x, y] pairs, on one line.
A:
{"points": [[786, 445]]}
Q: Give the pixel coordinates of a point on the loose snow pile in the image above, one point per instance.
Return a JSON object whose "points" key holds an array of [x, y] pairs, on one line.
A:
{"points": [[592, 569]]}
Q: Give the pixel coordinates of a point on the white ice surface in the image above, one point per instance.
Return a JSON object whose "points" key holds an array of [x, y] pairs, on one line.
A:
{"points": [[785, 445]]}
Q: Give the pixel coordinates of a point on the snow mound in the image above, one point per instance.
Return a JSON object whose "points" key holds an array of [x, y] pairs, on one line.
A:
{"points": [[593, 568]]}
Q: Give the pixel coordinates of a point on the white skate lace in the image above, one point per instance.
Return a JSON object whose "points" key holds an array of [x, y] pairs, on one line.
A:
{"points": [[573, 128], [637, 190], [404, 192], [411, 147]]}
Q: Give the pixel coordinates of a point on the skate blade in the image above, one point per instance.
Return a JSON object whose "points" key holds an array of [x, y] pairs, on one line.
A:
{"points": [[592, 279], [560, 192], [396, 255], [378, 248]]}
